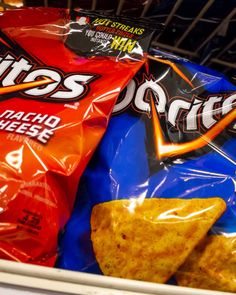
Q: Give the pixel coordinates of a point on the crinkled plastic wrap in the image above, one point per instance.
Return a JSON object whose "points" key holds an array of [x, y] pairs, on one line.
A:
{"points": [[157, 201], [55, 102]]}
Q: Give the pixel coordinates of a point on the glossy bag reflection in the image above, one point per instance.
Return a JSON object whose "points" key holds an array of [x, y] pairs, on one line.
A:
{"points": [[54, 108], [150, 154]]}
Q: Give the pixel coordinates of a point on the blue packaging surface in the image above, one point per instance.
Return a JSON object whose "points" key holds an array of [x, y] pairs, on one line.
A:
{"points": [[171, 136]]}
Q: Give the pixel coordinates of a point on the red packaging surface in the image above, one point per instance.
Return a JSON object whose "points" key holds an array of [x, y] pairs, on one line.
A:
{"points": [[54, 109]]}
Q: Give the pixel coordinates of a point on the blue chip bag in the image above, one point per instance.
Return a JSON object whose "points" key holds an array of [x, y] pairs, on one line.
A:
{"points": [[161, 181]]}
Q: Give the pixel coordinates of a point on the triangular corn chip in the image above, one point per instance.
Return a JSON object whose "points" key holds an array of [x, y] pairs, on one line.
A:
{"points": [[211, 265], [149, 239]]}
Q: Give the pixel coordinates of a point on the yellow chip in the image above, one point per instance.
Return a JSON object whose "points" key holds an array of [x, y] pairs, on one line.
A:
{"points": [[190, 274], [212, 265], [149, 239]]}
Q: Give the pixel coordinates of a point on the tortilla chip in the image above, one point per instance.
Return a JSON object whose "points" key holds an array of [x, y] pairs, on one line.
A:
{"points": [[190, 274], [149, 239], [212, 265]]}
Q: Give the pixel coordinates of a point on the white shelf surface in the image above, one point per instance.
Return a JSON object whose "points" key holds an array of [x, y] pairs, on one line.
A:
{"points": [[16, 278], [13, 290]]}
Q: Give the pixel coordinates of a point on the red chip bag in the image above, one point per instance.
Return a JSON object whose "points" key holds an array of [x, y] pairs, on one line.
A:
{"points": [[60, 76]]}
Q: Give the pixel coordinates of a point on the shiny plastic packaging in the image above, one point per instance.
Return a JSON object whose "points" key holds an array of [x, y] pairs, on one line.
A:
{"points": [[56, 99], [157, 201]]}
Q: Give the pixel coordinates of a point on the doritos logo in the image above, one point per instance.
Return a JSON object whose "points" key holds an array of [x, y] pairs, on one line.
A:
{"points": [[199, 114], [167, 149], [23, 75], [196, 118], [20, 74]]}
